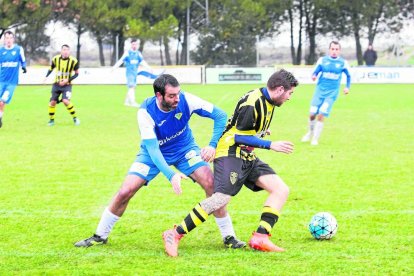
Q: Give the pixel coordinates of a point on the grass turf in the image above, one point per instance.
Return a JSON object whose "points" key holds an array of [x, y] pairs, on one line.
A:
{"points": [[56, 181]]}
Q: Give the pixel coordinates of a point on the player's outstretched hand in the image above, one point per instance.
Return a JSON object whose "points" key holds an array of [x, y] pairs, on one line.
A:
{"points": [[176, 182], [282, 146], [346, 90], [314, 77], [208, 153]]}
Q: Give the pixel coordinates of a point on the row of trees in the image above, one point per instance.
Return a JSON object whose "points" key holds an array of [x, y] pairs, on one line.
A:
{"points": [[227, 30]]}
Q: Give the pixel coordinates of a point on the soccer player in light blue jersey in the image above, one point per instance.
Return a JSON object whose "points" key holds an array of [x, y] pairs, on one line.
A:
{"points": [[11, 59], [166, 139], [329, 69], [132, 60]]}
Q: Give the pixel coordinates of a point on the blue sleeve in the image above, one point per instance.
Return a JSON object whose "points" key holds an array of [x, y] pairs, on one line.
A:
{"points": [[220, 119], [252, 141], [348, 78], [23, 61], [317, 70], [154, 151]]}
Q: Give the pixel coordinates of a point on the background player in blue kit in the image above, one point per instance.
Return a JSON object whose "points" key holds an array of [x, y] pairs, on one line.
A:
{"points": [[168, 140], [11, 58], [132, 59], [330, 69]]}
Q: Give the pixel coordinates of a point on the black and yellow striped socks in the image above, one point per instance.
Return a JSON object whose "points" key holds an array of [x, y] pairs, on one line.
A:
{"points": [[71, 110], [196, 217], [52, 110], [268, 220]]}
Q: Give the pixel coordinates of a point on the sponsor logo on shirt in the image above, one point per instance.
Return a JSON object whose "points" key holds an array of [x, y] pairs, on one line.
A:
{"points": [[9, 64], [162, 122], [331, 76], [163, 141]]}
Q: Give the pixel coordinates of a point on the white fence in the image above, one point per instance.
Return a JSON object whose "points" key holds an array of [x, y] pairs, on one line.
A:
{"points": [[201, 75]]}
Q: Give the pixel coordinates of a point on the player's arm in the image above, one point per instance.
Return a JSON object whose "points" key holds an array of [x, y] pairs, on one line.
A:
{"points": [[317, 70], [246, 129], [348, 77], [23, 60], [254, 141], [120, 61], [206, 109], [76, 70], [149, 140], [50, 70]]}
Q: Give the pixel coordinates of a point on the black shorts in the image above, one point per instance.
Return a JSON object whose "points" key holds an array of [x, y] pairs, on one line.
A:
{"points": [[65, 91], [231, 173]]}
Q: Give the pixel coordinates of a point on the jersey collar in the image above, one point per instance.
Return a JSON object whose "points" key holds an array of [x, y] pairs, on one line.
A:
{"points": [[266, 94]]}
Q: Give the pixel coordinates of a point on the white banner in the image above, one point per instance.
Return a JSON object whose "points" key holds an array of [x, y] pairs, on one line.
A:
{"points": [[238, 75], [184, 74], [361, 74], [198, 74]]}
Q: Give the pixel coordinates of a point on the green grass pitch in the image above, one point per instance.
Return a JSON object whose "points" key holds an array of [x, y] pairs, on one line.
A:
{"points": [[56, 181]]}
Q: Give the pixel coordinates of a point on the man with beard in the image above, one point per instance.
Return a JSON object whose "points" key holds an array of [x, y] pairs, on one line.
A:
{"points": [[236, 164], [168, 140]]}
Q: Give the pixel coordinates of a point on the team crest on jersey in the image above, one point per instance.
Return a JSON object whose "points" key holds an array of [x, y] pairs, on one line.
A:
{"points": [[337, 65], [14, 53], [233, 177], [178, 115]]}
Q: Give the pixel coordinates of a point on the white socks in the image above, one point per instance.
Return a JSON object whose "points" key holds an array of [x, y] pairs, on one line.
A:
{"points": [[1, 114], [318, 130], [312, 125], [130, 98], [106, 224], [225, 226]]}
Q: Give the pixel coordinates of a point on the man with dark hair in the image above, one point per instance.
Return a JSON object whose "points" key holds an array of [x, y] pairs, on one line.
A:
{"points": [[65, 65], [236, 163], [132, 60], [330, 69], [166, 140], [11, 58]]}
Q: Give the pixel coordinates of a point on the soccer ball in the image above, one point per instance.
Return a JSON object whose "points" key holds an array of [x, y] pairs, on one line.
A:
{"points": [[323, 226]]}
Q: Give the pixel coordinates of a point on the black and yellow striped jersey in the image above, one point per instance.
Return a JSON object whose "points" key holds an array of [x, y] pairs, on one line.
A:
{"points": [[252, 116], [64, 67]]}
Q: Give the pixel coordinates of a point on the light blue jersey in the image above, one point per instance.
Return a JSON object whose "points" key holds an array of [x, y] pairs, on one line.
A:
{"points": [[330, 72], [167, 138], [132, 60], [10, 61]]}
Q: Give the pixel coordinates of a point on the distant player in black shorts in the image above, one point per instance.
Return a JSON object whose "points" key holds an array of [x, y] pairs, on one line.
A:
{"points": [[236, 163], [65, 65]]}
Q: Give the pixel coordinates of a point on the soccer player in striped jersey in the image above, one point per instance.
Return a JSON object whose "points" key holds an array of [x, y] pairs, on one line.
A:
{"points": [[65, 65], [330, 69], [11, 59], [166, 139], [236, 164], [132, 59]]}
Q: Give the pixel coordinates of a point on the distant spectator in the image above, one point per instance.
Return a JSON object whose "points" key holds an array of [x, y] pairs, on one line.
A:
{"points": [[370, 56]]}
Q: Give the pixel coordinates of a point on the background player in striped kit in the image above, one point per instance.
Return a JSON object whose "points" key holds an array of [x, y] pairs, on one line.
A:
{"points": [[11, 58], [65, 65]]}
